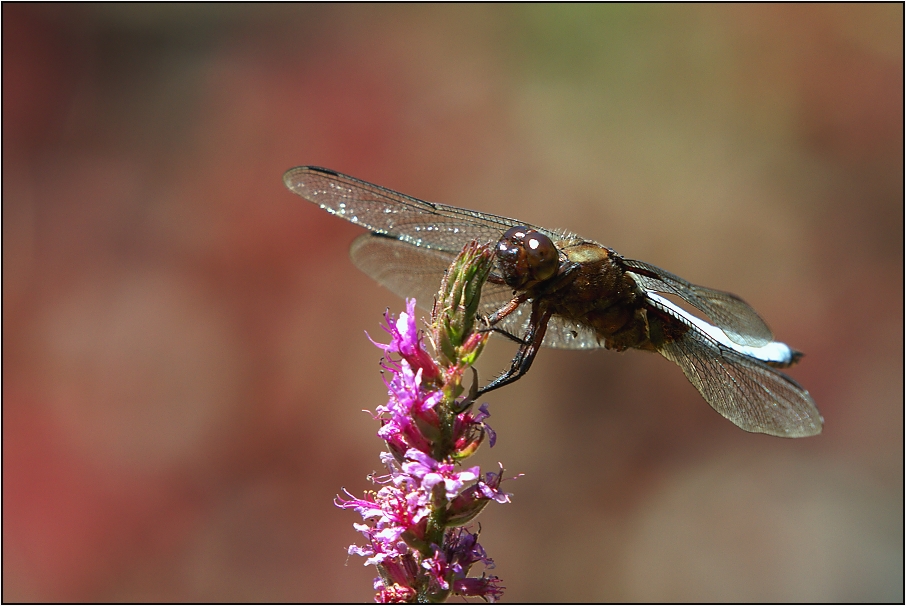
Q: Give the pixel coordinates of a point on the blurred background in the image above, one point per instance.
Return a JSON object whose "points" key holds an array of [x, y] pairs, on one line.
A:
{"points": [[184, 357]]}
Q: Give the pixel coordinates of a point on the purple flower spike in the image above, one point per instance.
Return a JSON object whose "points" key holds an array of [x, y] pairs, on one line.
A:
{"points": [[413, 527]]}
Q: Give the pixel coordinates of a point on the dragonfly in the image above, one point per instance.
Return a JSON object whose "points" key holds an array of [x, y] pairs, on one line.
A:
{"points": [[556, 289]]}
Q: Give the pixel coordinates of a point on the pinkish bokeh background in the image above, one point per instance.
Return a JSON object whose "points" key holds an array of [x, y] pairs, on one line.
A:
{"points": [[184, 363]]}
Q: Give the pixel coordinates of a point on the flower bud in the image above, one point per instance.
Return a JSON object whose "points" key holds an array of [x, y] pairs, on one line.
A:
{"points": [[457, 301]]}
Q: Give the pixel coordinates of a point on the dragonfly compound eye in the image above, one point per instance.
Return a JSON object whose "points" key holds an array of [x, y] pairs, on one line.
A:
{"points": [[525, 256], [542, 255]]}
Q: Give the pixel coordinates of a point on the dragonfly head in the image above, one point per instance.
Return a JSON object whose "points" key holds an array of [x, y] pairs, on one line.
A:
{"points": [[525, 257]]}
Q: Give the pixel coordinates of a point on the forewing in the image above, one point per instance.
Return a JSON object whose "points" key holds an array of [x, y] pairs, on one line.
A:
{"points": [[413, 243], [746, 391], [735, 317], [384, 211]]}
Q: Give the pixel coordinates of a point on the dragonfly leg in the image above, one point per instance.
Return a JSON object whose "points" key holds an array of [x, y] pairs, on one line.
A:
{"points": [[500, 314], [507, 309], [504, 333], [526, 354]]}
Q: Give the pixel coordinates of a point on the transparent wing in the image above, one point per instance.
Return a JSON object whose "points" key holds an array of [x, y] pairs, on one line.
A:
{"points": [[561, 333], [746, 391], [384, 211], [415, 241], [565, 334], [735, 317]]}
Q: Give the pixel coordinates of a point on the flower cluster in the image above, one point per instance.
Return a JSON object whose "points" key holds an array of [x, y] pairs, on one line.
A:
{"points": [[415, 533]]}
